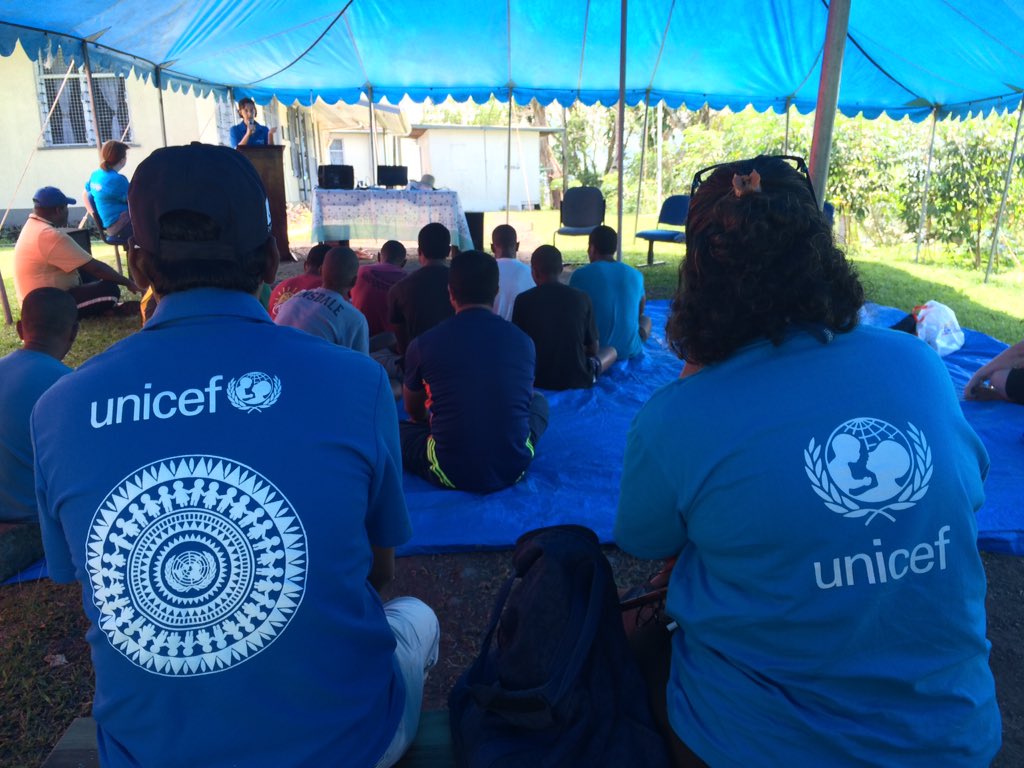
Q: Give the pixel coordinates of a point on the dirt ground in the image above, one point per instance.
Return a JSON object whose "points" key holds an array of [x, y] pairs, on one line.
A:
{"points": [[462, 589]]}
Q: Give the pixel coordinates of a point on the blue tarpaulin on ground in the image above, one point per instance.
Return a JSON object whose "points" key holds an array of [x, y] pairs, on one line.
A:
{"points": [[575, 476], [904, 58]]}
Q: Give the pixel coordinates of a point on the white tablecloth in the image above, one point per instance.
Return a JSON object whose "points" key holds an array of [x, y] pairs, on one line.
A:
{"points": [[386, 214]]}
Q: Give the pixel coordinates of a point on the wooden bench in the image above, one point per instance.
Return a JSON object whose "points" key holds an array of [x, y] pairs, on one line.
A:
{"points": [[432, 747]]}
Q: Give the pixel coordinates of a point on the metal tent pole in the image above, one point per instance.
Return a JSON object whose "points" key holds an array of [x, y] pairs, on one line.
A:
{"points": [[828, 94], [622, 119], [1006, 191], [92, 94], [565, 151], [927, 180], [661, 105], [643, 152], [158, 79], [508, 160], [785, 141], [373, 136]]}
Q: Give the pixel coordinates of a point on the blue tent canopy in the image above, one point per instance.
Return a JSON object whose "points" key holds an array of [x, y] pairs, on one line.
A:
{"points": [[958, 57]]}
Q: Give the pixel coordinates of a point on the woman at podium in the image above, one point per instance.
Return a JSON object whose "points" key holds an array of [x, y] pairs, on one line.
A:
{"points": [[249, 133]]}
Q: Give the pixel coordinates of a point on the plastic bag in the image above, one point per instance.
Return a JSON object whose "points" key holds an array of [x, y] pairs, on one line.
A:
{"points": [[937, 325]]}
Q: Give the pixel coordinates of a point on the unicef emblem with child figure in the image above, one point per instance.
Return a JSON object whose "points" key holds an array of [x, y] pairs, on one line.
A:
{"points": [[868, 467]]}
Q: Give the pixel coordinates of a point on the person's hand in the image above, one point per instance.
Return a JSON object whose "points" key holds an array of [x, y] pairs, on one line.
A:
{"points": [[981, 386], [132, 286]]}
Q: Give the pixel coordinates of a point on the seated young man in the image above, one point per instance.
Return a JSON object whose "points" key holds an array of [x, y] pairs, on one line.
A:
{"points": [[310, 278], [232, 589], [474, 417], [513, 276], [324, 311], [420, 301], [617, 293], [370, 293], [560, 321]]}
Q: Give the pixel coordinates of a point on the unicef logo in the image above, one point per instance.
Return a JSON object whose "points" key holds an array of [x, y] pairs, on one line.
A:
{"points": [[254, 391], [870, 468], [197, 563]]}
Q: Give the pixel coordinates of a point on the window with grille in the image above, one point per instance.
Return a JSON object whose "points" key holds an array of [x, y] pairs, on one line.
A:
{"points": [[72, 122], [226, 116]]}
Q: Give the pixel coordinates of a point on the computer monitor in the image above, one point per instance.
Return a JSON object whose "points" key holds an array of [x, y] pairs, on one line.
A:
{"points": [[392, 175], [336, 177]]}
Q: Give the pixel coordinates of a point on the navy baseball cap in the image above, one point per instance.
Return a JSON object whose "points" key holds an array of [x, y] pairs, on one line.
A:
{"points": [[218, 182], [51, 197]]}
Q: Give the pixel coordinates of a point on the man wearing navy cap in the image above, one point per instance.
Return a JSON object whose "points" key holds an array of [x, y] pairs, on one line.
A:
{"points": [[233, 594], [45, 257]]}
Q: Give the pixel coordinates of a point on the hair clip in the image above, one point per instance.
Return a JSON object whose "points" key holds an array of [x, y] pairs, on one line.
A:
{"points": [[748, 184]]}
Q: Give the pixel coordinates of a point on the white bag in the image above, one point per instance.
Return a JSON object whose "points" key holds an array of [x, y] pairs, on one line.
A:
{"points": [[937, 325]]}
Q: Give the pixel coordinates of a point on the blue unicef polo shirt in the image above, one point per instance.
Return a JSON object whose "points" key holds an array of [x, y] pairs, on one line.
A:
{"points": [[259, 138], [829, 592], [216, 483]]}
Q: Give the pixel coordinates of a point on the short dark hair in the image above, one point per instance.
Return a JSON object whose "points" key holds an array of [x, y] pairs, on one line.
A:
{"points": [[341, 264], [547, 260], [315, 257], [604, 240], [393, 252], [435, 241], [504, 235], [757, 265], [48, 314], [246, 100], [244, 273], [473, 278], [111, 153]]}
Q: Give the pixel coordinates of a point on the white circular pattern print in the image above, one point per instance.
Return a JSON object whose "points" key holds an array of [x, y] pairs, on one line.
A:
{"points": [[197, 563]]}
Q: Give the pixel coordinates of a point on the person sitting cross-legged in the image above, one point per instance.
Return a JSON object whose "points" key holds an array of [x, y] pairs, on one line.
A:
{"points": [[232, 592], [617, 292], [513, 276], [420, 301], [560, 320], [324, 311], [48, 325], [475, 419], [310, 278]]}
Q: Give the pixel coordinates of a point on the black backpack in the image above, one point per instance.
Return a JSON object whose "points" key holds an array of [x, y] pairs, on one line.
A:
{"points": [[559, 688]]}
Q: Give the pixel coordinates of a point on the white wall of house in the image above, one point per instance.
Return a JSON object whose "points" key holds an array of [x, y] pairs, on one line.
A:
{"points": [[188, 118], [473, 160]]}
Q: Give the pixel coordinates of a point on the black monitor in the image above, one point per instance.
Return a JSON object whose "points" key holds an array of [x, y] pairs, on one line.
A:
{"points": [[392, 176], [336, 177]]}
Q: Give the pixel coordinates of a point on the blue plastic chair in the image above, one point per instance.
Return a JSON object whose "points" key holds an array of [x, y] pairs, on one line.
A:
{"points": [[582, 212], [673, 212], [115, 240]]}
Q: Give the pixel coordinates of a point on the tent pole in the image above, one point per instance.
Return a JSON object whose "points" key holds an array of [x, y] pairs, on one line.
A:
{"points": [[92, 94], [1006, 191], [373, 136], [643, 152], [785, 141], [661, 105], [828, 94], [508, 161], [158, 79], [160, 98], [565, 151], [621, 118], [927, 179]]}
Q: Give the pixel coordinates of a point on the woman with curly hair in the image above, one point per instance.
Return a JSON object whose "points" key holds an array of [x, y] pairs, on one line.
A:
{"points": [[828, 593]]}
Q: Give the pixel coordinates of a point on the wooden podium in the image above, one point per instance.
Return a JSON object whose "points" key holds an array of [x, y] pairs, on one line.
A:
{"points": [[269, 163]]}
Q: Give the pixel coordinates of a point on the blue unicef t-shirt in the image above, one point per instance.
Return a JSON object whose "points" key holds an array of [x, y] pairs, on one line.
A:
{"points": [[216, 484], [110, 191], [25, 375], [259, 138], [477, 369], [615, 290], [829, 592]]}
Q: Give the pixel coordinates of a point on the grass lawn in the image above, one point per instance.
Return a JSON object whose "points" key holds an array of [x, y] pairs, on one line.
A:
{"points": [[45, 672]]}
